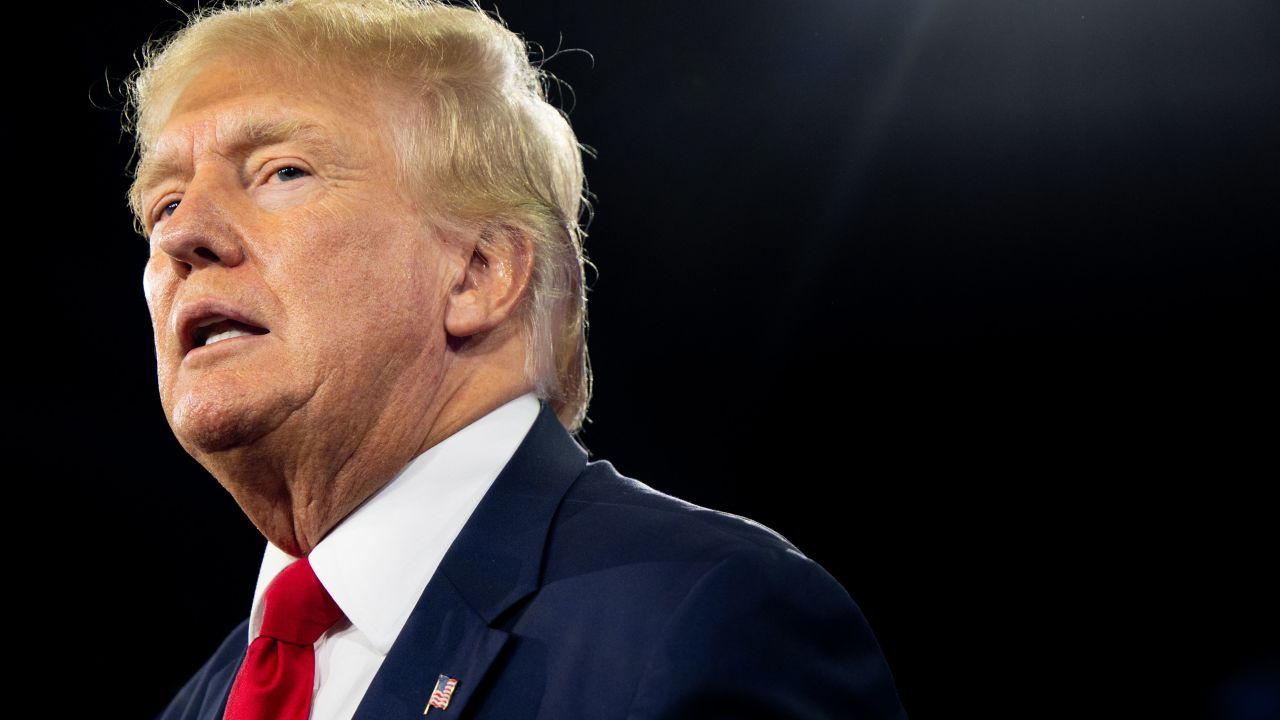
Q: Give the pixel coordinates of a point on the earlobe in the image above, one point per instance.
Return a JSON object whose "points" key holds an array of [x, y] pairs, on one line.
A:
{"points": [[495, 279], [468, 302]]}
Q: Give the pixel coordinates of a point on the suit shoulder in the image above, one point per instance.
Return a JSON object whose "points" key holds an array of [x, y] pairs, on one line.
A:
{"points": [[770, 637], [689, 611], [608, 516]]}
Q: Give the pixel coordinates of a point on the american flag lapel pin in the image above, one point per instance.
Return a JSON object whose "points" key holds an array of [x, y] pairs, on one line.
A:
{"points": [[440, 696]]}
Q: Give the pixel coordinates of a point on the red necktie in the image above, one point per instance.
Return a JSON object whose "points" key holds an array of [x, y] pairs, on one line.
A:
{"points": [[276, 679]]}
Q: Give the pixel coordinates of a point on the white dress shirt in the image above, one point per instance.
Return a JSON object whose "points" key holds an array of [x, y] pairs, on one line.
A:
{"points": [[378, 560]]}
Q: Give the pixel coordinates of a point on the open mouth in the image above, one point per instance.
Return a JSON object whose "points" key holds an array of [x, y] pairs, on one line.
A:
{"points": [[218, 328]]}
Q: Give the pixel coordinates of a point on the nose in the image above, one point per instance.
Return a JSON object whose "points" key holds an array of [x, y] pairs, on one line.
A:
{"points": [[203, 229]]}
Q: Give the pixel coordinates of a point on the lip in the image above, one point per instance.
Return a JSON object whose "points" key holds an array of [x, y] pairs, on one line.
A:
{"points": [[192, 314]]}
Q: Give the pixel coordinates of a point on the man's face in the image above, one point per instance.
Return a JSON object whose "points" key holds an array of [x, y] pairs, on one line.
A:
{"points": [[291, 282]]}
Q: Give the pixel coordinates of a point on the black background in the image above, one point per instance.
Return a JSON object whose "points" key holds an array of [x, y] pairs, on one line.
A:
{"points": [[971, 301]]}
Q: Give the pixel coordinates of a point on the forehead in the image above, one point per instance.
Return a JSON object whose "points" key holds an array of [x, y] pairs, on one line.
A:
{"points": [[227, 110]]}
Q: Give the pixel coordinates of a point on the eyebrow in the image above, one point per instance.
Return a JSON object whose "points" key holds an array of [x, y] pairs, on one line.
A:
{"points": [[244, 135]]}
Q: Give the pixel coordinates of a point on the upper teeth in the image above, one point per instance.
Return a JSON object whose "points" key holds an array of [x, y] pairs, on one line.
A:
{"points": [[225, 335]]}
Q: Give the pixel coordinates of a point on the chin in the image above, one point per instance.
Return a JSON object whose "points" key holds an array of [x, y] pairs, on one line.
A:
{"points": [[207, 421]]}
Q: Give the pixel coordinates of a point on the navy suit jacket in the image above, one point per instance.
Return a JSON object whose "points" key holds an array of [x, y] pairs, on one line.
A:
{"points": [[576, 592]]}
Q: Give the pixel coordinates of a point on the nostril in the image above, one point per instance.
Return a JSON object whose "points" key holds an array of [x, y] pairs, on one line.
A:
{"points": [[207, 254]]}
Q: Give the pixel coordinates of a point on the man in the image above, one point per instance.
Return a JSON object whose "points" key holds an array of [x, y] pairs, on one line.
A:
{"points": [[366, 286]]}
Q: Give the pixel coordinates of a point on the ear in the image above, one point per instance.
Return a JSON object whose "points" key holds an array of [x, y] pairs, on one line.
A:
{"points": [[496, 277]]}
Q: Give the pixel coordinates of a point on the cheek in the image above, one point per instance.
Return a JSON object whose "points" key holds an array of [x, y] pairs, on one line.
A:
{"points": [[157, 288], [165, 345], [364, 282]]}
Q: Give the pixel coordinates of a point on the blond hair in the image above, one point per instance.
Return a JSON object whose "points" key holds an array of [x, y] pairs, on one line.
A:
{"points": [[480, 144]]}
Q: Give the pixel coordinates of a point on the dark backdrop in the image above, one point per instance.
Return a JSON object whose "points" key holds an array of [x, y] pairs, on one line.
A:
{"points": [[972, 301]]}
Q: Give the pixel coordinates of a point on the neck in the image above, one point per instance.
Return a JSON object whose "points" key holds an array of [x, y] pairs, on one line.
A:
{"points": [[301, 481]]}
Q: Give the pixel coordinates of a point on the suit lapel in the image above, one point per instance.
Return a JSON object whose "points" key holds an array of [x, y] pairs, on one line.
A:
{"points": [[495, 561], [442, 636], [220, 688]]}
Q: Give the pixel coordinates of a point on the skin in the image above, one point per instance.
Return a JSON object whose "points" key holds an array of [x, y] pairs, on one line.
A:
{"points": [[385, 337]]}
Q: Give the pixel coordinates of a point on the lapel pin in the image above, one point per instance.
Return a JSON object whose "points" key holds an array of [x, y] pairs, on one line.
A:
{"points": [[440, 696]]}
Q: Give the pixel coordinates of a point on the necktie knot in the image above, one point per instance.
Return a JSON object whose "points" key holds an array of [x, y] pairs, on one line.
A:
{"points": [[296, 608], [275, 680]]}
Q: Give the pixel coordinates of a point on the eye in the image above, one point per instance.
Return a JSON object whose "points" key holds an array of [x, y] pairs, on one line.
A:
{"points": [[290, 173], [167, 210]]}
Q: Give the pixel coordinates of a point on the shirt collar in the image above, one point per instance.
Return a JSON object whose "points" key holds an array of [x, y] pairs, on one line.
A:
{"points": [[378, 560]]}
